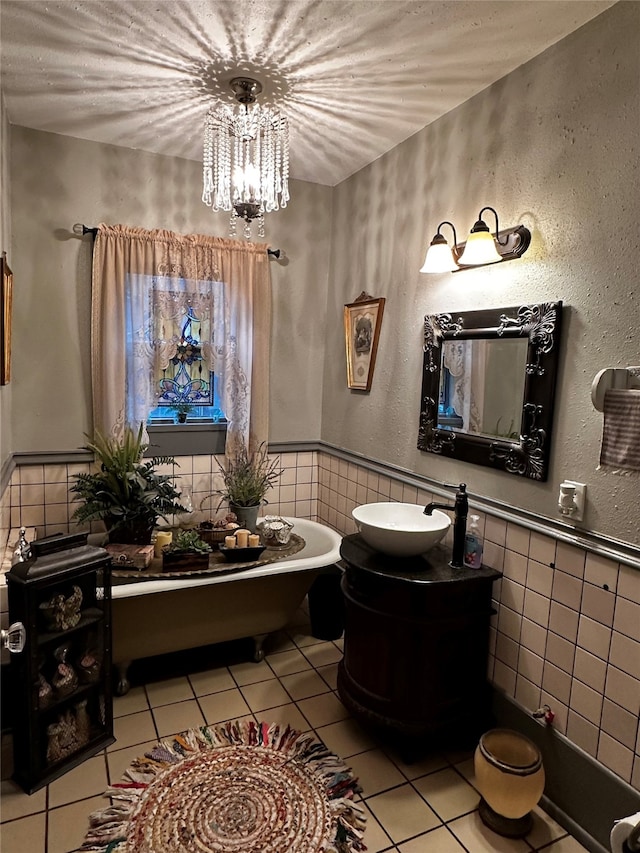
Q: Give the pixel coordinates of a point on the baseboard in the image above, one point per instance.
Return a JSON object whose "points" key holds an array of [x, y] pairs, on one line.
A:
{"points": [[581, 794]]}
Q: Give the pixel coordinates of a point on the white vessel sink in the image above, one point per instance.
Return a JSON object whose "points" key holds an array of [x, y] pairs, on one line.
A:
{"points": [[400, 530]]}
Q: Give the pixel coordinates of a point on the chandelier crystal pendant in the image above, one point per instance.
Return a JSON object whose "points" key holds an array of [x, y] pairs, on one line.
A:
{"points": [[245, 166]]}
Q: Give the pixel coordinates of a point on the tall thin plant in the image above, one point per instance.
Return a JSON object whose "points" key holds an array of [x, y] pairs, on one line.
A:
{"points": [[248, 476]]}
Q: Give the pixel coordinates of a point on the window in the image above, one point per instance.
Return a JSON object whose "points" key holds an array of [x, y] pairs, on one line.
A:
{"points": [[170, 361], [185, 385]]}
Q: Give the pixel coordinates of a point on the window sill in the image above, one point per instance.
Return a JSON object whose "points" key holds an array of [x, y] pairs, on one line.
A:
{"points": [[199, 438]]}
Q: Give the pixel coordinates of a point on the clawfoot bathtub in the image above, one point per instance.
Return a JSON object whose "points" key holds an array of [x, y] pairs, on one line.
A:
{"points": [[158, 616]]}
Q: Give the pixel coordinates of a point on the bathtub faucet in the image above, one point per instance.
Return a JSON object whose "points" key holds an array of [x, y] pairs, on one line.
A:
{"points": [[461, 510]]}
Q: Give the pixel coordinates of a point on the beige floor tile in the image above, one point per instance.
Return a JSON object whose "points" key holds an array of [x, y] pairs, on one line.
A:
{"points": [[375, 772], [402, 813], [420, 767], [448, 794], [86, 780], [330, 675], [437, 841], [171, 719], [568, 844], [226, 705], [375, 837], [345, 738], [301, 685], [285, 663], [119, 759], [545, 829], [134, 728], [212, 681], [169, 691], [132, 702], [475, 836], [25, 835], [285, 715], [466, 768], [323, 710], [265, 694], [302, 639], [249, 672], [68, 825], [323, 654], [15, 803]]}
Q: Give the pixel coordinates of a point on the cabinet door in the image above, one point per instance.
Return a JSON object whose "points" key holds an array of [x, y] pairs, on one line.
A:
{"points": [[63, 676], [416, 659]]}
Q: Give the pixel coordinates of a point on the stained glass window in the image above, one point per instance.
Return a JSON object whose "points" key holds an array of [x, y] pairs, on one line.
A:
{"points": [[182, 339]]}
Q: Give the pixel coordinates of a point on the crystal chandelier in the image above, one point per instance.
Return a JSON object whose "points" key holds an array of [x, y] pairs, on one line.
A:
{"points": [[246, 158]]}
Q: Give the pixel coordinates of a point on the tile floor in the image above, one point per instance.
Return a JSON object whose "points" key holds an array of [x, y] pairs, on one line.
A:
{"points": [[430, 805]]}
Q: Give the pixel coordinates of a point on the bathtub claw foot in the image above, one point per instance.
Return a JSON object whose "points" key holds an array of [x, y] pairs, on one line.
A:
{"points": [[124, 685], [258, 651]]}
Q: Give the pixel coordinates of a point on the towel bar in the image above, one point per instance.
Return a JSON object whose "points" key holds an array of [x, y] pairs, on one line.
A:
{"points": [[613, 377]]}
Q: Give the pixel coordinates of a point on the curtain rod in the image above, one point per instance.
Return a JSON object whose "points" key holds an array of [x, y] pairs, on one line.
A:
{"points": [[81, 230]]}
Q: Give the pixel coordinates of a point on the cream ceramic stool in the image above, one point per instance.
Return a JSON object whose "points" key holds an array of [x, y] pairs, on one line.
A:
{"points": [[510, 778]]}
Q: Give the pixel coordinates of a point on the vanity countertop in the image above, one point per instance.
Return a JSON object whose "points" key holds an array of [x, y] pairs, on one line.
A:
{"points": [[431, 568]]}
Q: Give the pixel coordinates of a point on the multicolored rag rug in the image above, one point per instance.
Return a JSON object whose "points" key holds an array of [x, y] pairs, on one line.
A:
{"points": [[239, 787]]}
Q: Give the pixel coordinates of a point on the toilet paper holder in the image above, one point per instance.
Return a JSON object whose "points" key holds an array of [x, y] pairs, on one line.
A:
{"points": [[632, 843], [629, 843]]}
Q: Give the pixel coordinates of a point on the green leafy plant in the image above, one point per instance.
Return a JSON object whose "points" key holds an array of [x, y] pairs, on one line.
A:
{"points": [[248, 476], [181, 409], [187, 542], [126, 492]]}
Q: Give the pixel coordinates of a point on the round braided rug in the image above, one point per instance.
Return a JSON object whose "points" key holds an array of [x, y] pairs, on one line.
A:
{"points": [[240, 787]]}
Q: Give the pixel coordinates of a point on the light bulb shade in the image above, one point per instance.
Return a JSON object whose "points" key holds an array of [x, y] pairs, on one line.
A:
{"points": [[439, 257], [480, 248]]}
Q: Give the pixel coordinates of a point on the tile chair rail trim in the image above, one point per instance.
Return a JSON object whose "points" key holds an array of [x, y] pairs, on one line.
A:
{"points": [[591, 542]]}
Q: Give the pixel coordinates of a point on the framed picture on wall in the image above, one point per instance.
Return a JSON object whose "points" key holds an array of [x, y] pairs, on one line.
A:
{"points": [[362, 321], [6, 297]]}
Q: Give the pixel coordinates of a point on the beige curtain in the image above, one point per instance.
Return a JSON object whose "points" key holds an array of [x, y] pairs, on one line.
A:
{"points": [[241, 350]]}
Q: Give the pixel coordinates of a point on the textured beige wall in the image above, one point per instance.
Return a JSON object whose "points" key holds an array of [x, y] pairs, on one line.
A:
{"points": [[553, 145], [58, 181]]}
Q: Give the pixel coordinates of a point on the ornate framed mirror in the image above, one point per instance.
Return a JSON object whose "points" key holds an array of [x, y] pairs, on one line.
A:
{"points": [[488, 386]]}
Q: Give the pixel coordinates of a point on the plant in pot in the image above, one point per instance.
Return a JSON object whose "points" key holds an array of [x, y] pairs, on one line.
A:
{"points": [[182, 410], [186, 552], [126, 492], [247, 478]]}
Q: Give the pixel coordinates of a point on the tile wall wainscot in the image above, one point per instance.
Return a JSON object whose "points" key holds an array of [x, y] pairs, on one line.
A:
{"points": [[567, 628]]}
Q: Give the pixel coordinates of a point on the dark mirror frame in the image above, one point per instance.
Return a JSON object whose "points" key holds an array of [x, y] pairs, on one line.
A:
{"points": [[529, 456]]}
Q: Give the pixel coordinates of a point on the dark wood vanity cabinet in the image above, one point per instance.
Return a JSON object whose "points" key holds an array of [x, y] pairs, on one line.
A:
{"points": [[62, 707], [416, 644]]}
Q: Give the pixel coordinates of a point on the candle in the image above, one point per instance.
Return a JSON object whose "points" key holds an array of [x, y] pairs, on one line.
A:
{"points": [[254, 540], [229, 541], [163, 537], [243, 538]]}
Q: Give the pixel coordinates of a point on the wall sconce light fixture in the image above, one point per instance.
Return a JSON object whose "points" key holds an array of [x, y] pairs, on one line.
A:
{"points": [[440, 256], [482, 247]]}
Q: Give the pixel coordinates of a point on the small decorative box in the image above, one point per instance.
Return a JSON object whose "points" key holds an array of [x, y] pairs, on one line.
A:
{"points": [[130, 556]]}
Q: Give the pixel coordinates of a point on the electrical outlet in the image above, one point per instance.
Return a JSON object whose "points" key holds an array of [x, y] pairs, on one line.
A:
{"points": [[580, 500]]}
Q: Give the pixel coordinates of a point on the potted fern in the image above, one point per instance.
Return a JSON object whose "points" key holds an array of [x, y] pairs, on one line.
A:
{"points": [[126, 492], [247, 478]]}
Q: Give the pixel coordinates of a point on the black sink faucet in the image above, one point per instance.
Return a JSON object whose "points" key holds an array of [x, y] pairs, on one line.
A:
{"points": [[461, 509]]}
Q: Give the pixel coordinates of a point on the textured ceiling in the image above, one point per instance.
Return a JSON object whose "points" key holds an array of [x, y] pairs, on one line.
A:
{"points": [[355, 78]]}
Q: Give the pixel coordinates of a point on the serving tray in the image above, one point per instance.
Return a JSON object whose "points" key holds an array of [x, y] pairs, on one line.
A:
{"points": [[217, 565]]}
